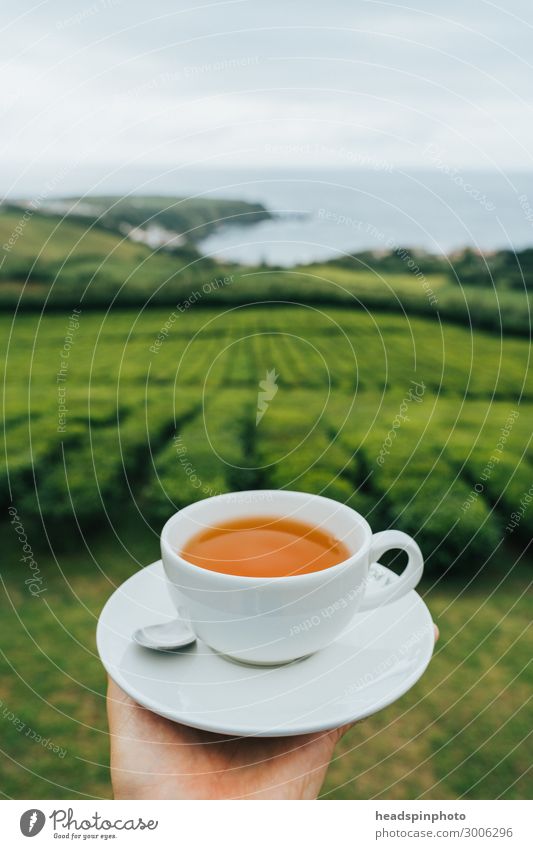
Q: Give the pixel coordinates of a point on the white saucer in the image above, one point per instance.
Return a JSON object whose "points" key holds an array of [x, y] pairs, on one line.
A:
{"points": [[382, 654]]}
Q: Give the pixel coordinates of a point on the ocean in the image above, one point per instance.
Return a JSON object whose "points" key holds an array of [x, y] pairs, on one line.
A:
{"points": [[320, 215]]}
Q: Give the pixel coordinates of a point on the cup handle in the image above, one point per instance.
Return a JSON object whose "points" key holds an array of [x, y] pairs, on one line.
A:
{"points": [[396, 588]]}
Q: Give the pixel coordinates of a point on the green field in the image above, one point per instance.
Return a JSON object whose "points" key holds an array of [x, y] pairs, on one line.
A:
{"points": [[419, 425]]}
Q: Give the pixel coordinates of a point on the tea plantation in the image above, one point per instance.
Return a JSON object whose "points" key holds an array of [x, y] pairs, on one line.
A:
{"points": [[416, 424]]}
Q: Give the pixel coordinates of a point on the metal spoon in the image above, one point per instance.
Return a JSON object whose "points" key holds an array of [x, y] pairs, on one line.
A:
{"points": [[164, 637]]}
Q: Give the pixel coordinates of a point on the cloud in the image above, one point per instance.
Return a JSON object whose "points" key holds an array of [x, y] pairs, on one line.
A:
{"points": [[114, 84]]}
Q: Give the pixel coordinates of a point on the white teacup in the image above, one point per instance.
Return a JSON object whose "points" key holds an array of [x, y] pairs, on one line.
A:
{"points": [[277, 620]]}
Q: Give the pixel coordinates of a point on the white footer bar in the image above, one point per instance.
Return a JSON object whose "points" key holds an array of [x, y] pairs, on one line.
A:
{"points": [[268, 825]]}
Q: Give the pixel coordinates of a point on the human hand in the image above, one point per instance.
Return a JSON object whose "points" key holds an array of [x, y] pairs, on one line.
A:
{"points": [[155, 758]]}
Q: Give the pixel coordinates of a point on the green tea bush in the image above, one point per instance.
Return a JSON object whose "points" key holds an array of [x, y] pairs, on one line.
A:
{"points": [[435, 511], [207, 456], [32, 448], [178, 480]]}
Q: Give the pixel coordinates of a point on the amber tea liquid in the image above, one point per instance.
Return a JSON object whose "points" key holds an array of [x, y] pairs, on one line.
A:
{"points": [[265, 547]]}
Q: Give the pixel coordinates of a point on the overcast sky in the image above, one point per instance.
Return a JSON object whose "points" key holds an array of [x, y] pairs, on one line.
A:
{"points": [[101, 86]]}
